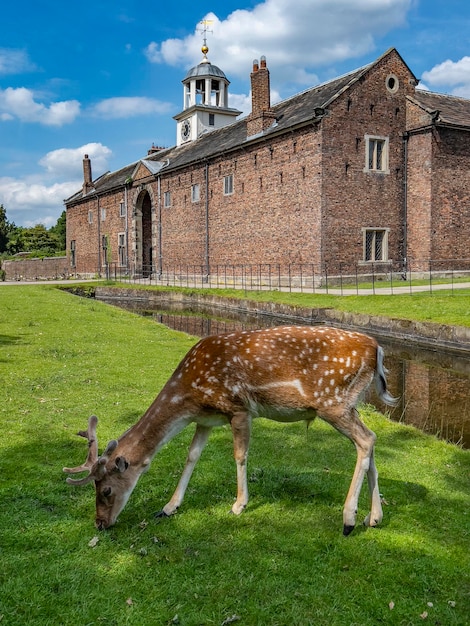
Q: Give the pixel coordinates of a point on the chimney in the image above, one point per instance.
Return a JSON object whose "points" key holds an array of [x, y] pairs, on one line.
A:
{"points": [[261, 116], [87, 179]]}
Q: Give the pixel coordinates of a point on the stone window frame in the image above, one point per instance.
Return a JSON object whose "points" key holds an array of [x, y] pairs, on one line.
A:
{"points": [[122, 209], [372, 244], [73, 253], [121, 246], [195, 193], [90, 216], [228, 185], [377, 149], [167, 199]]}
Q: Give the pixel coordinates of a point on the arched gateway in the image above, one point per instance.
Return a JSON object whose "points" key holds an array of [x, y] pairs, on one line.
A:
{"points": [[143, 235]]}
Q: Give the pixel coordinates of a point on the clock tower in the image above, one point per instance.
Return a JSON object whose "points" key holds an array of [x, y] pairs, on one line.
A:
{"points": [[205, 101]]}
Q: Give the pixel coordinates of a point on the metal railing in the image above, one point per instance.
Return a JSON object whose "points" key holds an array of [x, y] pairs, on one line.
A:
{"points": [[384, 277]]}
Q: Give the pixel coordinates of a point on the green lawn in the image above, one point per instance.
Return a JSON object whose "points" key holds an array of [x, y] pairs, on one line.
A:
{"points": [[441, 307], [283, 562]]}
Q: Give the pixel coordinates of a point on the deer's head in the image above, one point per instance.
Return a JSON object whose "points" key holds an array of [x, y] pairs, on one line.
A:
{"points": [[112, 474]]}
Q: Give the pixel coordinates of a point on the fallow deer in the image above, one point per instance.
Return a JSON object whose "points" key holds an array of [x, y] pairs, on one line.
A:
{"points": [[285, 374]]}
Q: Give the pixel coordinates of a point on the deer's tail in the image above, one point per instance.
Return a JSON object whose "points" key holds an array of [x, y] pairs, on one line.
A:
{"points": [[381, 380]]}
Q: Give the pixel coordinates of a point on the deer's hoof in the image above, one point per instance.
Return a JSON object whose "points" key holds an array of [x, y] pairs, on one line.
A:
{"points": [[161, 514]]}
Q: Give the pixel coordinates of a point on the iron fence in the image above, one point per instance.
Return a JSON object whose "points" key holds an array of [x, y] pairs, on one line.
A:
{"points": [[338, 278]]}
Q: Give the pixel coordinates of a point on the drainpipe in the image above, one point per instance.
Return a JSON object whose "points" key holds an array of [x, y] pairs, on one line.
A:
{"points": [[160, 237], [99, 235], [127, 227], [406, 137], [206, 250]]}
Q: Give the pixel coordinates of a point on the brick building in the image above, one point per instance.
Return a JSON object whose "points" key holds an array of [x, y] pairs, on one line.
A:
{"points": [[361, 170]]}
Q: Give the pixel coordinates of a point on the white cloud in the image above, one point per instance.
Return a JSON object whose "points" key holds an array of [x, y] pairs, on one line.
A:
{"points": [[299, 38], [68, 162], [39, 199], [117, 108], [28, 203], [20, 103], [453, 75], [14, 62]]}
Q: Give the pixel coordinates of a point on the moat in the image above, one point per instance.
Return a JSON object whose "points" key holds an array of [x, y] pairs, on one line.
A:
{"points": [[433, 385]]}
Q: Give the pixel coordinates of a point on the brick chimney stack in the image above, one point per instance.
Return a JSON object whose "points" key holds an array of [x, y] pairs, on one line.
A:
{"points": [[87, 179], [261, 116]]}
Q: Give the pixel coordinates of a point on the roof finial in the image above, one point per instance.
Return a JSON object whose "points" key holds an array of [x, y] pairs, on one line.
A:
{"points": [[204, 30]]}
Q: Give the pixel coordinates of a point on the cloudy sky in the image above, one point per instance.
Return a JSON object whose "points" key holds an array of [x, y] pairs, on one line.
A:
{"points": [[104, 77]]}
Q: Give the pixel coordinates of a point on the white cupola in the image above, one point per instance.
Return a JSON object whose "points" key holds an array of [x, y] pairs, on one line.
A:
{"points": [[205, 101]]}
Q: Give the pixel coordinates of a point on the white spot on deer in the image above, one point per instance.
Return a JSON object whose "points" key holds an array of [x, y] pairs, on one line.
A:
{"points": [[326, 357]]}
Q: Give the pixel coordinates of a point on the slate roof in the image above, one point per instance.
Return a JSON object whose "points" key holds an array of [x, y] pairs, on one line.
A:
{"points": [[446, 110], [303, 108]]}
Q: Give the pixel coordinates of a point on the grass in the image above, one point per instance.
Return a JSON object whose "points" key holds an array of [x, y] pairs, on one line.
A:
{"points": [[283, 562], [442, 307]]}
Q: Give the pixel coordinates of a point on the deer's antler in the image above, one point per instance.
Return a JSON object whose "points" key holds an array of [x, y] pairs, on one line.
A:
{"points": [[96, 466]]}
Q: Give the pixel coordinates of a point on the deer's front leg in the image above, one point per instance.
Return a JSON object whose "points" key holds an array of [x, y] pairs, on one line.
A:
{"points": [[195, 449], [241, 430]]}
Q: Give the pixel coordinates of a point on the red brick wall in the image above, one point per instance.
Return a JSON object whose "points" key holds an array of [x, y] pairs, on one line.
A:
{"points": [[271, 217], [88, 236], [419, 199], [304, 197], [36, 269], [451, 195], [352, 198]]}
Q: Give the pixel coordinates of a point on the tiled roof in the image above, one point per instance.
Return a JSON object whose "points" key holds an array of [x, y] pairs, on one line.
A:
{"points": [[303, 108], [444, 109], [297, 110]]}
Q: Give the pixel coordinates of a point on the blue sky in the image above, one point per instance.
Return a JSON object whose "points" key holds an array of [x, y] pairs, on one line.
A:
{"points": [[104, 78]]}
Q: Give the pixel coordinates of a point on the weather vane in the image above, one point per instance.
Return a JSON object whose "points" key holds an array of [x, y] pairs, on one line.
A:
{"points": [[204, 30]]}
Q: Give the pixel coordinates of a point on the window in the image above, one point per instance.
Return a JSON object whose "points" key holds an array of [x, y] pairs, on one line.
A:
{"points": [[376, 154], [211, 119], [105, 248], [195, 193], [90, 217], [228, 185], [375, 244], [73, 259], [167, 199], [392, 84], [122, 249], [122, 209], [103, 214]]}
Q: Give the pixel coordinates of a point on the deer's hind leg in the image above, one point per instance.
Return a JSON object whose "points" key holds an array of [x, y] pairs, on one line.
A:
{"points": [[241, 430], [364, 440]]}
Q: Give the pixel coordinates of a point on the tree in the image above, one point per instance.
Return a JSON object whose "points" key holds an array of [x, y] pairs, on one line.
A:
{"points": [[59, 230], [37, 240], [5, 229]]}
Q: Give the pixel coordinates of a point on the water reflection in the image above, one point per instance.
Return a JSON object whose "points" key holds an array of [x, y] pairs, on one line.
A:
{"points": [[433, 386]]}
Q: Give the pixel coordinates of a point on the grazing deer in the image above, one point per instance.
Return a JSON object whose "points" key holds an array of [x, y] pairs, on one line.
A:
{"points": [[285, 374]]}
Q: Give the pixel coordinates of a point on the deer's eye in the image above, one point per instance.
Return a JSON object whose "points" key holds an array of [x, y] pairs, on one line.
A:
{"points": [[106, 492]]}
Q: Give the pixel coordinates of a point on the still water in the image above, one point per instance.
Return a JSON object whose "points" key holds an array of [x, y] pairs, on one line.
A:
{"points": [[433, 386]]}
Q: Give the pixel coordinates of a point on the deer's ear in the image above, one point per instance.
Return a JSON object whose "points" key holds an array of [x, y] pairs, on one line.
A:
{"points": [[121, 464]]}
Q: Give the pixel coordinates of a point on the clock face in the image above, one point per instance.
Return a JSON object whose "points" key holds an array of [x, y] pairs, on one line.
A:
{"points": [[186, 130]]}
